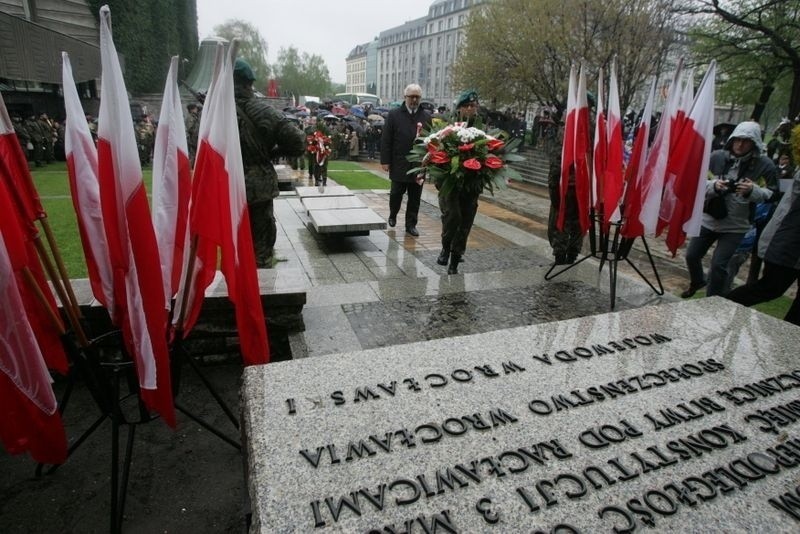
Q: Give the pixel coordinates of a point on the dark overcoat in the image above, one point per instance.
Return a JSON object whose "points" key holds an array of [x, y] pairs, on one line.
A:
{"points": [[399, 132]]}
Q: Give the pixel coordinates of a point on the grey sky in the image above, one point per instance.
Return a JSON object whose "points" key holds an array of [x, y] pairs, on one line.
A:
{"points": [[328, 28]]}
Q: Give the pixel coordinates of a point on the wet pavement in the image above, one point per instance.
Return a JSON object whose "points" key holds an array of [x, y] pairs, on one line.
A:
{"points": [[386, 288]]}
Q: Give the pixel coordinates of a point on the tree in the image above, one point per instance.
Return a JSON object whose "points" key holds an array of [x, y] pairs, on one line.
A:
{"points": [[301, 74], [531, 44], [759, 40], [252, 47], [147, 34]]}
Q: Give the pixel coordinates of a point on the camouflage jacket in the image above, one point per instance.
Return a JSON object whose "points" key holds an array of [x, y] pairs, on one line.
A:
{"points": [[264, 134]]}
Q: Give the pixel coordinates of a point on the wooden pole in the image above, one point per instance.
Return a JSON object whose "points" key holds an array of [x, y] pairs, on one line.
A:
{"points": [[51, 273], [62, 270], [187, 286], [40, 296]]}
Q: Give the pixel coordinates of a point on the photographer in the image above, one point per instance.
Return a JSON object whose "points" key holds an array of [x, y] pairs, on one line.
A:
{"points": [[742, 177]]}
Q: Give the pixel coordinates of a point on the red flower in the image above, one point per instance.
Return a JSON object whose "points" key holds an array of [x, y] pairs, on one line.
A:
{"points": [[493, 162], [432, 147], [494, 144], [466, 147], [472, 164], [440, 157]]}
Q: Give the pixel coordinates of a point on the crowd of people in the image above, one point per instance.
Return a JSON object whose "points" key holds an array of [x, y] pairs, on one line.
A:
{"points": [[41, 138], [751, 212]]}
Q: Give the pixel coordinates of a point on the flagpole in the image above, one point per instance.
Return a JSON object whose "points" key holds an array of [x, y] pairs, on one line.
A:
{"points": [[187, 286], [62, 270], [71, 316], [37, 290]]}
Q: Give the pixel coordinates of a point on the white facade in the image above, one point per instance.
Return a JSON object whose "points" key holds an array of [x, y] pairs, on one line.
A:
{"points": [[423, 51], [356, 61], [361, 70]]}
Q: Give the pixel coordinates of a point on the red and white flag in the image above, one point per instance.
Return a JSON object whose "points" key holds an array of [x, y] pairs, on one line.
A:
{"points": [[567, 146], [219, 220], [85, 188], [138, 289], [29, 419], [599, 151], [634, 174], [582, 155], [613, 172], [22, 208], [689, 160], [656, 175], [172, 183]]}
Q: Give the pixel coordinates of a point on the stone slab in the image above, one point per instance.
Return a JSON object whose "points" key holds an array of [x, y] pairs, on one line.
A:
{"points": [[335, 221], [323, 191], [671, 418], [332, 203]]}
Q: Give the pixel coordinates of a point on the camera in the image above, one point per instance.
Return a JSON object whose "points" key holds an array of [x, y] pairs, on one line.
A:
{"points": [[730, 183]]}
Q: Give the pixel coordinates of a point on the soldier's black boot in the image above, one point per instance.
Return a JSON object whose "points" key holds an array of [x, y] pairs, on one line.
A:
{"points": [[453, 267], [444, 255]]}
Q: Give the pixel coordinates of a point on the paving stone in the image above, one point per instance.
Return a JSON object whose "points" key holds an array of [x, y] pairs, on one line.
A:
{"points": [[423, 317]]}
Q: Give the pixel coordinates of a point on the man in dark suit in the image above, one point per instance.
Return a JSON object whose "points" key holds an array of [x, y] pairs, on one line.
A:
{"points": [[402, 126]]}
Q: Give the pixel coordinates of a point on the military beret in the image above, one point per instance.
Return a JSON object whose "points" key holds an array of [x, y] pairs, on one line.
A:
{"points": [[243, 70], [466, 97]]}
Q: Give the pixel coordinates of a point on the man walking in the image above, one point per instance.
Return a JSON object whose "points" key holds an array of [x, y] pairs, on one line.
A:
{"points": [[399, 131]]}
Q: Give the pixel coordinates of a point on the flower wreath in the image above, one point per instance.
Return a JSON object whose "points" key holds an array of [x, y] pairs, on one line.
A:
{"points": [[319, 144], [461, 158]]}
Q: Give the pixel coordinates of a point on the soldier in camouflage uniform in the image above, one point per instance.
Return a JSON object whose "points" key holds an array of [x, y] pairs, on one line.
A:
{"points": [[36, 138], [264, 134], [22, 133], [566, 243], [48, 136], [192, 126], [459, 208]]}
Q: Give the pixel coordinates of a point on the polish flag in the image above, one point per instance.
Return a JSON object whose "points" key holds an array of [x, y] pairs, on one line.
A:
{"points": [[138, 288], [613, 172], [219, 219], [29, 419], [172, 184], [599, 151], [568, 146], [85, 188], [582, 158], [634, 174], [691, 157], [22, 207], [656, 171]]}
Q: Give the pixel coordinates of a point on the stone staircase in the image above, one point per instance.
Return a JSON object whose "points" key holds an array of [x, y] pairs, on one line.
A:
{"points": [[535, 167]]}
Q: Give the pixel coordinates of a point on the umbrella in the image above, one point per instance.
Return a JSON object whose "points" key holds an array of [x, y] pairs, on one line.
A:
{"points": [[381, 109], [331, 116], [356, 126], [358, 111], [338, 110], [302, 114], [378, 123], [375, 117]]}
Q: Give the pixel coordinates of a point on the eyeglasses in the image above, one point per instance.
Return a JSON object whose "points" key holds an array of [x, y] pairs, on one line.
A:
{"points": [[413, 96]]}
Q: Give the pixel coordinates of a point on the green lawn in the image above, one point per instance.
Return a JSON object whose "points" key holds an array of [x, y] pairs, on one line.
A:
{"points": [[355, 177], [775, 308], [52, 183]]}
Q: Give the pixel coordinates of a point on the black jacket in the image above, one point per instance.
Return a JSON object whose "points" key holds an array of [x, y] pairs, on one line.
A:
{"points": [[399, 132]]}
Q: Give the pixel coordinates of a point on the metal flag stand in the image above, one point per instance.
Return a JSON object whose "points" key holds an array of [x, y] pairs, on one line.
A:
{"points": [[612, 251], [103, 366]]}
